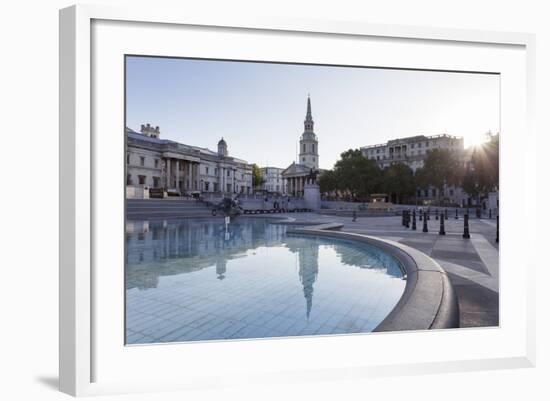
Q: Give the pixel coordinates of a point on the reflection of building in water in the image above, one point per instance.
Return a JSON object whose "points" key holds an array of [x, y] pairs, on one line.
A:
{"points": [[308, 259], [367, 257], [166, 248]]}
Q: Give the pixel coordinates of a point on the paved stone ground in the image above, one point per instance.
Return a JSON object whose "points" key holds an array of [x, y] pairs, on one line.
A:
{"points": [[472, 264]]}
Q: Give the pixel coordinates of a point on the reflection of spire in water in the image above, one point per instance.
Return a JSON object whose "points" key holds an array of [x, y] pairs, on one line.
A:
{"points": [[221, 268], [309, 267]]}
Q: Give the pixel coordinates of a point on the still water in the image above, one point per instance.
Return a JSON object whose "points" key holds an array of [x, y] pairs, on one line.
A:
{"points": [[193, 280]]}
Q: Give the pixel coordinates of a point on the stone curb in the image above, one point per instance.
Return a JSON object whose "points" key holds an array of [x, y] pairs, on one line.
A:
{"points": [[428, 301]]}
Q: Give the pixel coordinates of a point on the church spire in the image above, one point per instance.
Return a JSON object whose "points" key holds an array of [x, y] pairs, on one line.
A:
{"points": [[308, 122]]}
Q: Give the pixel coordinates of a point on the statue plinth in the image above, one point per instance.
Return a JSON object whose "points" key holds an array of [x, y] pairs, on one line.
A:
{"points": [[312, 197]]}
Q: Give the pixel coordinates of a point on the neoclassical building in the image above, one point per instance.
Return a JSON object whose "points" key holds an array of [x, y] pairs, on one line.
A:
{"points": [[296, 175], [273, 180], [152, 162], [412, 150]]}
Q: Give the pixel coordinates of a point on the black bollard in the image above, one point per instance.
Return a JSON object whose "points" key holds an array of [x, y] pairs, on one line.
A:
{"points": [[456, 214], [403, 217], [442, 225], [437, 214], [420, 215], [408, 219], [446, 215], [496, 239], [428, 214], [414, 220], [466, 227], [354, 215], [425, 225], [490, 213]]}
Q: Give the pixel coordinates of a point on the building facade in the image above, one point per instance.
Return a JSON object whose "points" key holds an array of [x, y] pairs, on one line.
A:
{"points": [[296, 175], [152, 162], [273, 180], [412, 150]]}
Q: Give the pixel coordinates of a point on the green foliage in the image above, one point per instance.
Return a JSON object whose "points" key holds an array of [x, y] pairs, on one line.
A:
{"points": [[353, 176], [482, 173], [442, 167], [398, 179], [257, 176]]}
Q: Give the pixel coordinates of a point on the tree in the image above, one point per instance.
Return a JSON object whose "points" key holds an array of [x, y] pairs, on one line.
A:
{"points": [[257, 177], [441, 168], [328, 182], [398, 179], [356, 175], [481, 175]]}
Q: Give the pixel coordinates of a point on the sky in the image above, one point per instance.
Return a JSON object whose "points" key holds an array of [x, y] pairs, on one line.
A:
{"points": [[259, 108]]}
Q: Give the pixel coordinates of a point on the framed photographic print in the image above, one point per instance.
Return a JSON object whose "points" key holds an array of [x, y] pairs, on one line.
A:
{"points": [[257, 201]]}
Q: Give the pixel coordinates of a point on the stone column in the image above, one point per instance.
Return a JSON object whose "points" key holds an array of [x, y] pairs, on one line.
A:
{"points": [[178, 175], [197, 176], [168, 177], [191, 175]]}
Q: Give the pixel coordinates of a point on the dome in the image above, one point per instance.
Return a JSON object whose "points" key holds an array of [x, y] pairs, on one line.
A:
{"points": [[222, 142]]}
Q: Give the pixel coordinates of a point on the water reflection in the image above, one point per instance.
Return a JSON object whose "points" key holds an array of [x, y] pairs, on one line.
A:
{"points": [[169, 248], [199, 244], [198, 279]]}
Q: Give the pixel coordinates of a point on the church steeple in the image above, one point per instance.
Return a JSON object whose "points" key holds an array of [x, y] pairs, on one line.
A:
{"points": [[308, 122], [309, 151]]}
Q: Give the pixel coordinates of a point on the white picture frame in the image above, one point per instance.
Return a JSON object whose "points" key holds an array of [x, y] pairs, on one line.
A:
{"points": [[84, 352]]}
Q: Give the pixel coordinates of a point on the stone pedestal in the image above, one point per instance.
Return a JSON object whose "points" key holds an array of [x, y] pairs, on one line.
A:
{"points": [[312, 197]]}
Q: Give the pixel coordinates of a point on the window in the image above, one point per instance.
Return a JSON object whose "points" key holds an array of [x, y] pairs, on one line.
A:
{"points": [[215, 171], [314, 159], [303, 159], [304, 148], [228, 172], [141, 179], [156, 163], [206, 186], [206, 171], [313, 148], [451, 192], [142, 161], [127, 158], [156, 182], [128, 179], [228, 187], [412, 145], [427, 143]]}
